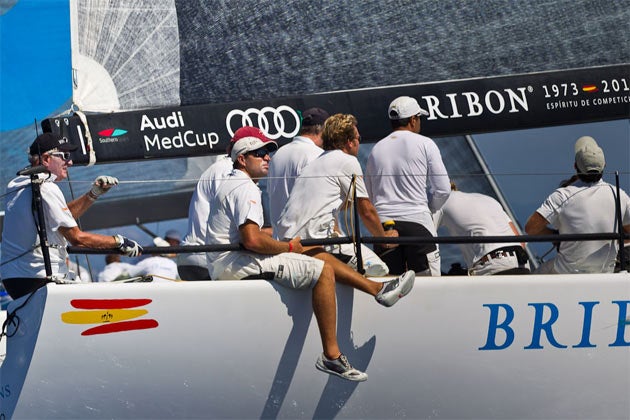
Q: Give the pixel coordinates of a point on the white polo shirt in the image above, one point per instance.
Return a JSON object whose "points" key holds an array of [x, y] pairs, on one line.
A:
{"points": [[585, 208], [199, 207], [473, 214], [406, 178], [21, 253], [237, 199], [285, 166], [322, 187]]}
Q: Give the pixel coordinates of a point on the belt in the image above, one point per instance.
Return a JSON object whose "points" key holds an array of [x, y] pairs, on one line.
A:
{"points": [[497, 253]]}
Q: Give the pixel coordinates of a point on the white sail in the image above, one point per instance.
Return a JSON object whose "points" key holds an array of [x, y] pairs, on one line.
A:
{"points": [[125, 54]]}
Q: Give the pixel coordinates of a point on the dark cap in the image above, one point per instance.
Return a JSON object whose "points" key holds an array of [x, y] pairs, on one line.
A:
{"points": [[49, 141], [314, 116]]}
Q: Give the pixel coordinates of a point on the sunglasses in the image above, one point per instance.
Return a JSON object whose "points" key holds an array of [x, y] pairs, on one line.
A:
{"points": [[259, 153], [61, 155]]}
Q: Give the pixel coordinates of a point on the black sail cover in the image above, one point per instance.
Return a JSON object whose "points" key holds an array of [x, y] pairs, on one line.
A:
{"points": [[181, 76]]}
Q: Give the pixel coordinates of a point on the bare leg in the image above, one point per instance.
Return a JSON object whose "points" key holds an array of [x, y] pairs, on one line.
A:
{"points": [[325, 310], [345, 274]]}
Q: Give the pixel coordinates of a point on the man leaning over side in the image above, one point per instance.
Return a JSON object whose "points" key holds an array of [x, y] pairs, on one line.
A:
{"points": [[22, 268], [236, 216], [479, 215], [588, 205], [407, 181]]}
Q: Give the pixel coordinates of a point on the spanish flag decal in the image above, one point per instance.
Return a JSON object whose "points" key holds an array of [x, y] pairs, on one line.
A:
{"points": [[589, 88], [113, 315]]}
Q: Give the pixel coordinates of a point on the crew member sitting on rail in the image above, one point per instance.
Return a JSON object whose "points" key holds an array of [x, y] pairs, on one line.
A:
{"points": [[285, 167], [236, 216], [324, 190]]}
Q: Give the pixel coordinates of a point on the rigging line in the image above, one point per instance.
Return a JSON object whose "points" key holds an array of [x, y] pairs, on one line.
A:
{"points": [[182, 180], [139, 48]]}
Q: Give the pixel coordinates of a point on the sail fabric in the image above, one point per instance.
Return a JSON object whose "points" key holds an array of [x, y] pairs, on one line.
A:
{"points": [[140, 54], [125, 54]]}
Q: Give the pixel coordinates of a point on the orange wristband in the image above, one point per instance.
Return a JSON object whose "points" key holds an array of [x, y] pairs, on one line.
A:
{"points": [[290, 247]]}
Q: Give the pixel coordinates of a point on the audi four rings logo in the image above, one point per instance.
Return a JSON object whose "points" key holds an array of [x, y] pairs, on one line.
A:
{"points": [[261, 116]]}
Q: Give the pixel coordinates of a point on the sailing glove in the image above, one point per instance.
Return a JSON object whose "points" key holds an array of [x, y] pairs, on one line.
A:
{"points": [[101, 185], [127, 246]]}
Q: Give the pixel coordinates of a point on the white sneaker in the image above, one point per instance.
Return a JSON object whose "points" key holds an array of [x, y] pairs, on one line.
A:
{"points": [[340, 367], [394, 289]]}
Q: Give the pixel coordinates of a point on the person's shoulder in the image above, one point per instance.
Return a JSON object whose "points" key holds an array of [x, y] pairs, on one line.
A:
{"points": [[222, 164]]}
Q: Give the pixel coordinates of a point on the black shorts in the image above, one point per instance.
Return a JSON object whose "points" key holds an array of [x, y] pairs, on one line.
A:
{"points": [[407, 257]]}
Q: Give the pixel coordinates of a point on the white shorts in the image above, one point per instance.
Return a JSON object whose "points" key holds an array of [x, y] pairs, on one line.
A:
{"points": [[495, 265], [291, 270], [372, 264]]}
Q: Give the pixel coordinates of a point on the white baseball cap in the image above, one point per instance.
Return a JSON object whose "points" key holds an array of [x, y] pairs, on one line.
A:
{"points": [[588, 155], [404, 107]]}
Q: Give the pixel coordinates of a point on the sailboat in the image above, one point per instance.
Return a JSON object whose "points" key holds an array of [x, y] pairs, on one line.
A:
{"points": [[496, 347]]}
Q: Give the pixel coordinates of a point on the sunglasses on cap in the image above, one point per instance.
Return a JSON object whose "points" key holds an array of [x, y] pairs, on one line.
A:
{"points": [[259, 153], [61, 155]]}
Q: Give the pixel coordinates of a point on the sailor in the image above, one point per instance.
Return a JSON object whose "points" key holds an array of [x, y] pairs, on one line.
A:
{"points": [[115, 269], [587, 205], [289, 161], [325, 187], [22, 268], [193, 266], [407, 181], [236, 216], [474, 214]]}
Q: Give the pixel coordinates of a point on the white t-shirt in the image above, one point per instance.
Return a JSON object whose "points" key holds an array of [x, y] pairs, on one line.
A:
{"points": [[199, 207], [157, 266], [287, 163], [406, 178], [237, 200], [116, 271], [21, 253], [473, 214], [322, 187], [585, 208]]}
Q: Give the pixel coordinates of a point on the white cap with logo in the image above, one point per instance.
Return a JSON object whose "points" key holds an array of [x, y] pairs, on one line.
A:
{"points": [[588, 155], [404, 107]]}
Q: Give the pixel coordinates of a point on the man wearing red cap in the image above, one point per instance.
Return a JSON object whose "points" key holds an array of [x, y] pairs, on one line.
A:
{"points": [[236, 216], [22, 269]]}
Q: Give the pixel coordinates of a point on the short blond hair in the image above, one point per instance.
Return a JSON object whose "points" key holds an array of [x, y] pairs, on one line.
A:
{"points": [[338, 129]]}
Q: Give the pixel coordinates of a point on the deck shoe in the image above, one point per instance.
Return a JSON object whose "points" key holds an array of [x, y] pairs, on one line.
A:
{"points": [[394, 289], [340, 367]]}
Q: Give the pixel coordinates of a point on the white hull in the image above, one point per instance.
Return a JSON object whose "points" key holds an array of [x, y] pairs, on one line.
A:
{"points": [[247, 349]]}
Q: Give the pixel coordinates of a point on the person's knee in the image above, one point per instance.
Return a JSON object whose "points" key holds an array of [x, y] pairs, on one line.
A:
{"points": [[327, 276]]}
